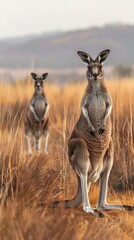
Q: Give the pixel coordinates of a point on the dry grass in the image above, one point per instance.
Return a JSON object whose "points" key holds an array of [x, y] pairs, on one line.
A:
{"points": [[26, 181]]}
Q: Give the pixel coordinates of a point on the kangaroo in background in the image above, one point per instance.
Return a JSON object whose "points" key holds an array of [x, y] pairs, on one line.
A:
{"points": [[36, 121], [90, 147]]}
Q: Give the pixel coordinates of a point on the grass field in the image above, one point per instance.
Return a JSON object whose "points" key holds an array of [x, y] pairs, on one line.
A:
{"points": [[26, 181]]}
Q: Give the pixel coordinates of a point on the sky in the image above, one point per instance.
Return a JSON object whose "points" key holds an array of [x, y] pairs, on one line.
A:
{"points": [[25, 17]]}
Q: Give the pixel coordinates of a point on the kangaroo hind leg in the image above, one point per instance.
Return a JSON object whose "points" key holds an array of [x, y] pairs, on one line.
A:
{"points": [[85, 200], [36, 144], [27, 138], [102, 202], [81, 164], [28, 143], [46, 136]]}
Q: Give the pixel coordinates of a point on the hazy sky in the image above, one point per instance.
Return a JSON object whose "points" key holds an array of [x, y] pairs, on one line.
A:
{"points": [[22, 17]]}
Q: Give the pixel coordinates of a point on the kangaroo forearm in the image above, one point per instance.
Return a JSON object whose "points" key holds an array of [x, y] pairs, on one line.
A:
{"points": [[85, 112], [107, 113], [46, 110], [32, 110]]}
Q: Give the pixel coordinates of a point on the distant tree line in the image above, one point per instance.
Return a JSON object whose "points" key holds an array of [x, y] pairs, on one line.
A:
{"points": [[123, 71]]}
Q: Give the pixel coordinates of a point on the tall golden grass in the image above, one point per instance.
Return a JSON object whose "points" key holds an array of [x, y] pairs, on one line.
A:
{"points": [[27, 181]]}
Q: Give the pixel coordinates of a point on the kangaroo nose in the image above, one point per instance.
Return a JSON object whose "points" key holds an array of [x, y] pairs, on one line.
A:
{"points": [[95, 74]]}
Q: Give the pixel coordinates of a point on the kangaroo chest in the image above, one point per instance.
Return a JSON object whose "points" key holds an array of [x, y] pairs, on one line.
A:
{"points": [[96, 107], [40, 106]]}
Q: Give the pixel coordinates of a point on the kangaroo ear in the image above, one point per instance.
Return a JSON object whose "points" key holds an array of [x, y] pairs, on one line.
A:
{"points": [[102, 57], [84, 57], [34, 75], [44, 76]]}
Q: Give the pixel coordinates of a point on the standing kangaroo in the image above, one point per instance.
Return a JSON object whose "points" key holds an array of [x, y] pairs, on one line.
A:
{"points": [[90, 147], [36, 121]]}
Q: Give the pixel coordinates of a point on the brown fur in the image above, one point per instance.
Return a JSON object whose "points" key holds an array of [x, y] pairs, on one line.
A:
{"points": [[90, 147]]}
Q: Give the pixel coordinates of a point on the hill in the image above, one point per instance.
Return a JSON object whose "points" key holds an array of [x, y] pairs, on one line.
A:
{"points": [[58, 50]]}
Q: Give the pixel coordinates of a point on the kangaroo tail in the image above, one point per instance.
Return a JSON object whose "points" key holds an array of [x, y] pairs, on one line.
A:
{"points": [[72, 203]]}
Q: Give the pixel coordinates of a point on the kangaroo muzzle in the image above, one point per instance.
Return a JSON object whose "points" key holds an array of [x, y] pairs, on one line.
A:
{"points": [[95, 72]]}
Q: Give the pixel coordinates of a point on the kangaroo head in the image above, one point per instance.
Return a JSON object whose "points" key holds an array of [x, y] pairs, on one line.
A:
{"points": [[94, 67], [39, 80]]}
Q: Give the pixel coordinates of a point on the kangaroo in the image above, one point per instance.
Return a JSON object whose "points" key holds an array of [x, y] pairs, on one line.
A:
{"points": [[36, 121], [90, 147]]}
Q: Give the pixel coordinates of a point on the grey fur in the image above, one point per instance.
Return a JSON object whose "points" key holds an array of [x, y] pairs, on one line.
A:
{"points": [[36, 122]]}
